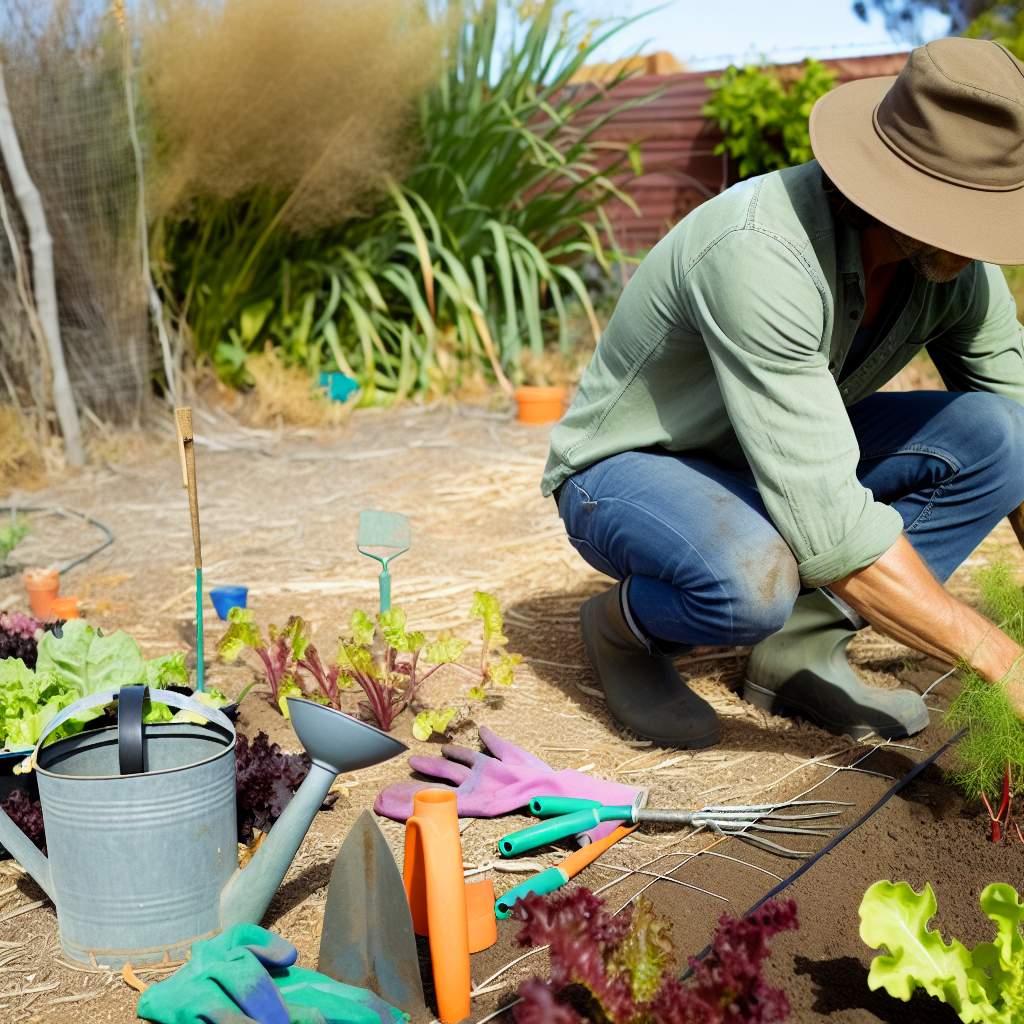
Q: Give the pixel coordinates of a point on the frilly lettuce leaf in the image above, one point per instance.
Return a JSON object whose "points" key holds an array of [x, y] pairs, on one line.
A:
{"points": [[392, 625], [445, 650], [485, 607], [168, 670], [242, 632], [503, 671], [983, 985], [426, 723], [362, 628]]}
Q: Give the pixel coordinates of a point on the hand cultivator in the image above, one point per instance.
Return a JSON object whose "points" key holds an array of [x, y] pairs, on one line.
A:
{"points": [[568, 817]]}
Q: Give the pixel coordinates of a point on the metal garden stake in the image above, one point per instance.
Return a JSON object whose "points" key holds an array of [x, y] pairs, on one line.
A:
{"points": [[383, 536]]}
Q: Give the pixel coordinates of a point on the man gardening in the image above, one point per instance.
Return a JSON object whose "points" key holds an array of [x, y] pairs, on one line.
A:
{"points": [[729, 458]]}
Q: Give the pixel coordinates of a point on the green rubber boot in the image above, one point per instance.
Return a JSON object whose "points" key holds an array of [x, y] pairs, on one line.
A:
{"points": [[802, 670], [643, 690]]}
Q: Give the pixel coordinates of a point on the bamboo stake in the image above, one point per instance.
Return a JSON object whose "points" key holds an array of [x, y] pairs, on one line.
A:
{"points": [[41, 245], [187, 452]]}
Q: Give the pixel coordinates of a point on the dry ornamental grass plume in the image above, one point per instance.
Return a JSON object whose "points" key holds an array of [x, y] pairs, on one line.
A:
{"points": [[310, 99]]}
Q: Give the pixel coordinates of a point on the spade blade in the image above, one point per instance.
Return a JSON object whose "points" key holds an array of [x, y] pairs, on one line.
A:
{"points": [[368, 939]]}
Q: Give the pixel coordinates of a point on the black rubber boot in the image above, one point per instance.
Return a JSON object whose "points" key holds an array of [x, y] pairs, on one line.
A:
{"points": [[643, 690], [802, 670]]}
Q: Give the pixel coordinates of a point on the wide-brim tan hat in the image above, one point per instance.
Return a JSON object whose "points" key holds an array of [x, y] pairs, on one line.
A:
{"points": [[936, 152]]}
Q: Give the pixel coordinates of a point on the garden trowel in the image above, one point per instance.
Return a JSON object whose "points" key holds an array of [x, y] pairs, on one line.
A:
{"points": [[383, 536], [368, 939]]}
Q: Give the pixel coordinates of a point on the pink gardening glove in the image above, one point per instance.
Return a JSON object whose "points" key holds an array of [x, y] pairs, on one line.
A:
{"points": [[487, 786]]}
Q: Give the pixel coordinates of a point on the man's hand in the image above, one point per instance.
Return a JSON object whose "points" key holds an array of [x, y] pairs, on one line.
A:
{"points": [[900, 597]]}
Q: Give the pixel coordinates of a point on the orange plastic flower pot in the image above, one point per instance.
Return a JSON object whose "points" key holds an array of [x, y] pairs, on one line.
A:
{"points": [[42, 585], [441, 902], [540, 405], [64, 608]]}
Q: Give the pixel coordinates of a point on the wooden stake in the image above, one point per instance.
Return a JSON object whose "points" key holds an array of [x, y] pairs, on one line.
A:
{"points": [[186, 449]]}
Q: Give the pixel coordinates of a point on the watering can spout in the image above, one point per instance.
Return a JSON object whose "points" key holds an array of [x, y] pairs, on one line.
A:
{"points": [[335, 743], [25, 852], [248, 893]]}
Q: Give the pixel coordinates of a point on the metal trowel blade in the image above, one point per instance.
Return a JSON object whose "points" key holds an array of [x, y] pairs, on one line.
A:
{"points": [[368, 939]]}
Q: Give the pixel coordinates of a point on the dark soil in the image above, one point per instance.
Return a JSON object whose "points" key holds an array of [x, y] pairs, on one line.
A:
{"points": [[925, 834]]}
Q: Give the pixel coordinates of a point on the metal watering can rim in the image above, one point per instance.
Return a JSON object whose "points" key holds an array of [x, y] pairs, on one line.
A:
{"points": [[177, 700]]}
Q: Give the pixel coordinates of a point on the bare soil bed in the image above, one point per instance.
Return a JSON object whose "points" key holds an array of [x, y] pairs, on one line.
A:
{"points": [[279, 513]]}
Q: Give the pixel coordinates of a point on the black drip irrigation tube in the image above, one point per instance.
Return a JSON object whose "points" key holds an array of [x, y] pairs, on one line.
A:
{"points": [[806, 866], [68, 513]]}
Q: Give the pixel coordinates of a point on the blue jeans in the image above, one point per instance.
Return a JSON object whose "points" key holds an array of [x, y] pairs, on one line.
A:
{"points": [[708, 567]]}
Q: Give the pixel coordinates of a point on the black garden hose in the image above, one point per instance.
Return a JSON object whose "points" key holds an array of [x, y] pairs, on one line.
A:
{"points": [[68, 514], [896, 788]]}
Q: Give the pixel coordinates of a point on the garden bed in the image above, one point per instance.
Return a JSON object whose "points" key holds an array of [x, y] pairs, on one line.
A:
{"points": [[468, 477]]}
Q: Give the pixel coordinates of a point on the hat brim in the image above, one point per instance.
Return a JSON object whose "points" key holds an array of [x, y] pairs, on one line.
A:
{"points": [[966, 221]]}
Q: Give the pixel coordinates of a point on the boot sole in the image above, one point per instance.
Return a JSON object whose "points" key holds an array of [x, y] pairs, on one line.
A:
{"points": [[767, 700]]}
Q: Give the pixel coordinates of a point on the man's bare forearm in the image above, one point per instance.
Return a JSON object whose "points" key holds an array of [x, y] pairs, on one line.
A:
{"points": [[900, 597]]}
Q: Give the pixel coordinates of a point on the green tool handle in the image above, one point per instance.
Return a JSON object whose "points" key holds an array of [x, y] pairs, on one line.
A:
{"points": [[200, 672], [549, 806], [559, 828], [385, 589], [541, 884]]}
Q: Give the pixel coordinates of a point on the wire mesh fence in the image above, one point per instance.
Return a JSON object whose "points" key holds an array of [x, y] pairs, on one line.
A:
{"points": [[64, 66]]}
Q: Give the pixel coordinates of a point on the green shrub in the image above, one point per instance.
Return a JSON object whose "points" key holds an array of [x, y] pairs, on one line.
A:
{"points": [[764, 120], [1004, 24], [471, 255]]}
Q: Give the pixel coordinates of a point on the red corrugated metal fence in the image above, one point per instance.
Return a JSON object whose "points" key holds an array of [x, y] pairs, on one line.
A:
{"points": [[677, 145]]}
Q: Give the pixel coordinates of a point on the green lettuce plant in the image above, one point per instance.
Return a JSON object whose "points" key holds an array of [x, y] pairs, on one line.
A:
{"points": [[79, 662], [990, 757], [984, 984]]}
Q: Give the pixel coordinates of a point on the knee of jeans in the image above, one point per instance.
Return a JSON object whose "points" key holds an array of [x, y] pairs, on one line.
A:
{"points": [[763, 601], [994, 429]]}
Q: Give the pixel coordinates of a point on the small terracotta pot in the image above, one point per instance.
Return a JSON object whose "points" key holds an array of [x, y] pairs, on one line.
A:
{"points": [[64, 608], [540, 405], [42, 585]]}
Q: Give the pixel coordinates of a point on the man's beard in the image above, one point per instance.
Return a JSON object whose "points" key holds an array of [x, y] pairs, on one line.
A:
{"points": [[933, 264]]}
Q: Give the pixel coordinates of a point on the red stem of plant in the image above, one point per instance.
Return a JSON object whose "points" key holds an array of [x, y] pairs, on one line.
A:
{"points": [[997, 817]]}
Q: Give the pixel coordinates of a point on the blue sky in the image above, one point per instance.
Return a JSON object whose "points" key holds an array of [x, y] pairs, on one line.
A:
{"points": [[712, 33]]}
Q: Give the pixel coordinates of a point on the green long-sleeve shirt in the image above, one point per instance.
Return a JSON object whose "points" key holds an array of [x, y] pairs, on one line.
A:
{"points": [[730, 338]]}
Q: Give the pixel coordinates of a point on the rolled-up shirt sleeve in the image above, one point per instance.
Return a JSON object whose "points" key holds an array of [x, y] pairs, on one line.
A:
{"points": [[765, 343]]}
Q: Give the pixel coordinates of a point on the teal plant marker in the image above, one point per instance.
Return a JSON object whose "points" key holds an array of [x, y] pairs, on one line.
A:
{"points": [[187, 451], [382, 537]]}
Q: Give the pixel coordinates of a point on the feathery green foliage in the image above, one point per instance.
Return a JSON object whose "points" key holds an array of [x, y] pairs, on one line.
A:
{"points": [[995, 735]]}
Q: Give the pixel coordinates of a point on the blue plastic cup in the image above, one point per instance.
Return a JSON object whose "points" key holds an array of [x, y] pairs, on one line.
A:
{"points": [[226, 598]]}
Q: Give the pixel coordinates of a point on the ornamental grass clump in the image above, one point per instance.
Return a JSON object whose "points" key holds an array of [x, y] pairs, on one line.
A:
{"points": [[990, 756]]}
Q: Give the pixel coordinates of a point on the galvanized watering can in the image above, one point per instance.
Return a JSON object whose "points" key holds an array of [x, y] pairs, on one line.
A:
{"points": [[141, 829]]}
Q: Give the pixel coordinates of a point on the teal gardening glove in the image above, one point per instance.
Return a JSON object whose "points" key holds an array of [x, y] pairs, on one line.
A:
{"points": [[246, 976]]}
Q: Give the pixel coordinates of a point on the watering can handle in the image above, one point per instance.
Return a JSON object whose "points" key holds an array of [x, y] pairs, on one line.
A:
{"points": [[176, 700], [130, 749]]}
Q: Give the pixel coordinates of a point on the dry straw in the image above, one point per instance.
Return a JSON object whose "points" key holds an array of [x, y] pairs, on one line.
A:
{"points": [[310, 100]]}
